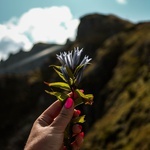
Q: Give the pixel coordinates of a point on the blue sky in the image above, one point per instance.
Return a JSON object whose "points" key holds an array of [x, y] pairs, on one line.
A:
{"points": [[21, 21], [135, 10]]}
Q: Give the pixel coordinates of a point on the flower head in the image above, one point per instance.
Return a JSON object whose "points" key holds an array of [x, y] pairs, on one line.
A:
{"points": [[72, 64]]}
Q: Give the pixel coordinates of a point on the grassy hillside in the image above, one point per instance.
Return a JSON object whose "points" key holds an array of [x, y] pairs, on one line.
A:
{"points": [[125, 120]]}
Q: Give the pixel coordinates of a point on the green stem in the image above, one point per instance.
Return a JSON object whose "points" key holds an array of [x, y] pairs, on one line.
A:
{"points": [[68, 137]]}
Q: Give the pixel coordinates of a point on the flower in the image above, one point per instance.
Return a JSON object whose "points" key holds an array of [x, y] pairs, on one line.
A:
{"points": [[72, 64], [71, 72]]}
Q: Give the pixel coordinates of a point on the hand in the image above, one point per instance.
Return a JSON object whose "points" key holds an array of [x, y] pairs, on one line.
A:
{"points": [[48, 130]]}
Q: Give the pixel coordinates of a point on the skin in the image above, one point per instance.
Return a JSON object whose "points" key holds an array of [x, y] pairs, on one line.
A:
{"points": [[47, 132]]}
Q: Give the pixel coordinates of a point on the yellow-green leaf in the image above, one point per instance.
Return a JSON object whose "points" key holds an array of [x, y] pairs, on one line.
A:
{"points": [[54, 66], [60, 74], [87, 98], [61, 85], [60, 96], [78, 101], [69, 72], [78, 68], [79, 119]]}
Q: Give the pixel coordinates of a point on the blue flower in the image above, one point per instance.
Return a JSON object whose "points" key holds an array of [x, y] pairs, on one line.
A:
{"points": [[72, 64]]}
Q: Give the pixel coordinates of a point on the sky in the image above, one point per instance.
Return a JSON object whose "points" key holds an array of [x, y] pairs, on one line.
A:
{"points": [[25, 22]]}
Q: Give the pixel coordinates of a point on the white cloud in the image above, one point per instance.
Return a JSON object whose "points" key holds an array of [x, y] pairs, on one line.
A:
{"points": [[53, 24], [122, 1], [11, 41]]}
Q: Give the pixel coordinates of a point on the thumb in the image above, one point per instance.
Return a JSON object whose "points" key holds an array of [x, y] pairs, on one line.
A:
{"points": [[61, 121]]}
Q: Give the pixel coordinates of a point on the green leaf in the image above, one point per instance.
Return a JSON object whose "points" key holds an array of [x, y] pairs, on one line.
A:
{"points": [[78, 101], [60, 74], [71, 82], [55, 66], [60, 96], [78, 68], [87, 98], [79, 119], [57, 70], [61, 85], [70, 72]]}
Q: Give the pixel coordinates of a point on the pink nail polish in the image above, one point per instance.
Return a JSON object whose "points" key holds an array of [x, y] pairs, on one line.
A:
{"points": [[80, 127], [65, 148], [82, 90], [78, 112], [68, 103], [82, 134]]}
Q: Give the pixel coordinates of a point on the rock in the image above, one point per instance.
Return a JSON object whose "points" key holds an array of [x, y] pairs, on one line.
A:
{"points": [[95, 28]]}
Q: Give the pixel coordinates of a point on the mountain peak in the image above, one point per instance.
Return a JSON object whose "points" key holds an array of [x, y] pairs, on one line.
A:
{"points": [[98, 27]]}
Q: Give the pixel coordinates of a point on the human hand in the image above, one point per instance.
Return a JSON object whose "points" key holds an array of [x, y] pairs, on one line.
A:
{"points": [[48, 130]]}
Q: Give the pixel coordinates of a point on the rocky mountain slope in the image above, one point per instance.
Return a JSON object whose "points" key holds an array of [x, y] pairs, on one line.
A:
{"points": [[119, 78]]}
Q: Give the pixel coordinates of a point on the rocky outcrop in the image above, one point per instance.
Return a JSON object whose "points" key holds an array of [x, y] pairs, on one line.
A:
{"points": [[95, 28]]}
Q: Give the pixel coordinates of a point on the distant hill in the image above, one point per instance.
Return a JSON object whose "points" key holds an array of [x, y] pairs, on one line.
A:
{"points": [[119, 78], [23, 62]]}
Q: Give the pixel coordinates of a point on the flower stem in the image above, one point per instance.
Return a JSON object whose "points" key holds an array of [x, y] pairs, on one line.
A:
{"points": [[68, 138]]}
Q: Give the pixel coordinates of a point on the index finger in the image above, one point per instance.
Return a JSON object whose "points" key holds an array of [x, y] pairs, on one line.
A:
{"points": [[50, 113]]}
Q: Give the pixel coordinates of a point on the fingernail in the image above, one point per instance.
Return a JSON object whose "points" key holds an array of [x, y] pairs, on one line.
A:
{"points": [[78, 112], [65, 148], [80, 127], [82, 134], [82, 90], [68, 103]]}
